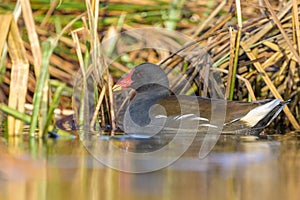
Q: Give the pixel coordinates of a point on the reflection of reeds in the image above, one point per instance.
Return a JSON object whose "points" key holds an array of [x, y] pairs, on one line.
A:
{"points": [[262, 52]]}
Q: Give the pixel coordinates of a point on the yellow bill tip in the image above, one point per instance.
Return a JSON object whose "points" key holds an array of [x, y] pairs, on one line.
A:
{"points": [[116, 88]]}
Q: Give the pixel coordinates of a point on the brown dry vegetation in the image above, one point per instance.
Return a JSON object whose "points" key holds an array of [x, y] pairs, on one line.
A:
{"points": [[262, 42]]}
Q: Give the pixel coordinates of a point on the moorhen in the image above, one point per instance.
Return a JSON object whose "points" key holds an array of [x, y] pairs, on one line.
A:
{"points": [[153, 108]]}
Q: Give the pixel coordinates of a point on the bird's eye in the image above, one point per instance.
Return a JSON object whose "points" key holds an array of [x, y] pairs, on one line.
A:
{"points": [[139, 74]]}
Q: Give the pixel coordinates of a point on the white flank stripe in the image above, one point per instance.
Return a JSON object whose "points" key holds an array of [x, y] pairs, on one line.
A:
{"points": [[160, 116], [183, 116], [200, 119], [208, 125]]}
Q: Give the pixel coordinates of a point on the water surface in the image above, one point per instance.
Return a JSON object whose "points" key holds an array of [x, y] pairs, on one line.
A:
{"points": [[236, 169]]}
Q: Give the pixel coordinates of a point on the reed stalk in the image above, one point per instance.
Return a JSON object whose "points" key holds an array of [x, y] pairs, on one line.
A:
{"points": [[32, 35], [47, 49], [237, 48], [14, 113], [19, 77], [52, 106]]}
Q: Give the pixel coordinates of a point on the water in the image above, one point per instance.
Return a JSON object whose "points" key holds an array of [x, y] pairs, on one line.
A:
{"points": [[236, 169]]}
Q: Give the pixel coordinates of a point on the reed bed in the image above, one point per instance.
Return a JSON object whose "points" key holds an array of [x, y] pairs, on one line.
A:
{"points": [[254, 46]]}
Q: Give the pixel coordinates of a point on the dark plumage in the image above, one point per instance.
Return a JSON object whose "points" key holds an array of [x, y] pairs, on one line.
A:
{"points": [[153, 108]]}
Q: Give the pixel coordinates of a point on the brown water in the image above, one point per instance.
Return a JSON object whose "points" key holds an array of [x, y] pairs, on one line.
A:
{"points": [[235, 169]]}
